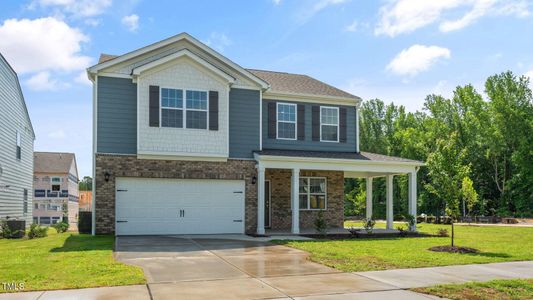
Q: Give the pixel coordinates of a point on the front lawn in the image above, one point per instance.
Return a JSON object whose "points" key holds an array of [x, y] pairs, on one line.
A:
{"points": [[496, 244], [495, 289], [64, 261]]}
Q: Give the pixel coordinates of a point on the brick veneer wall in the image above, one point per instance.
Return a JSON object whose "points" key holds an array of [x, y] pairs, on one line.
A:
{"points": [[281, 199], [130, 166]]}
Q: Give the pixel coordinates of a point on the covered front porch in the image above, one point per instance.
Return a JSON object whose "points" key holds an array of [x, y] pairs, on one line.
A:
{"points": [[313, 181]]}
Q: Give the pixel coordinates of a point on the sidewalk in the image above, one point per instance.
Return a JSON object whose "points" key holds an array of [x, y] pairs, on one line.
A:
{"points": [[396, 281]]}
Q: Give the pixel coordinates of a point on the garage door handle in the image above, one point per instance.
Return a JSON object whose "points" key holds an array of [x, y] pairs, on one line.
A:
{"points": [[237, 221], [237, 192], [121, 221], [122, 190]]}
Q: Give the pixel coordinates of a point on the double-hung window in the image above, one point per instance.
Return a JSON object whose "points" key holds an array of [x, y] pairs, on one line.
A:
{"points": [[329, 124], [312, 193], [19, 147], [56, 184], [196, 116], [171, 108], [183, 108], [286, 125], [25, 201]]}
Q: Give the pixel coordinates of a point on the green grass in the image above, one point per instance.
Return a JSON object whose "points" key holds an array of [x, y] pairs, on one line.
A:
{"points": [[495, 289], [64, 261], [496, 244]]}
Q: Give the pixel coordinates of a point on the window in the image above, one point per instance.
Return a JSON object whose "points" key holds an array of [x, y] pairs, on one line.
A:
{"points": [[36, 205], [56, 184], [42, 206], [171, 108], [329, 124], [55, 220], [35, 220], [53, 207], [44, 220], [196, 111], [312, 193], [286, 125], [19, 149], [25, 202]]}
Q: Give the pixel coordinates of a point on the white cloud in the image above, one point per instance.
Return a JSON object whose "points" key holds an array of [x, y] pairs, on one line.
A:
{"points": [[76, 8], [83, 79], [58, 134], [316, 8], [93, 22], [404, 16], [131, 22], [42, 45], [353, 26], [276, 2], [416, 59], [218, 41], [42, 81]]}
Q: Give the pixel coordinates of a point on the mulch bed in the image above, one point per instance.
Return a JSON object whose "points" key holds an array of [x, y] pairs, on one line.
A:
{"points": [[453, 249], [360, 235]]}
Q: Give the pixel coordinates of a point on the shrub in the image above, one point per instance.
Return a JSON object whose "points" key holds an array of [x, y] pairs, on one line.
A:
{"points": [[61, 227], [85, 222], [442, 232], [401, 231], [411, 222], [368, 225], [320, 223], [13, 229], [431, 219], [37, 231], [354, 231]]}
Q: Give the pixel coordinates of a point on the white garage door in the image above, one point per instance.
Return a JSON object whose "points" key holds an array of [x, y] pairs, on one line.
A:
{"points": [[179, 206]]}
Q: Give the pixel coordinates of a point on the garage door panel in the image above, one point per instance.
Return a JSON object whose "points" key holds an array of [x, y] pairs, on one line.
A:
{"points": [[152, 206]]}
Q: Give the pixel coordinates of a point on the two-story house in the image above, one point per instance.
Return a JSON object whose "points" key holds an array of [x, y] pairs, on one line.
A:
{"points": [[16, 148], [186, 141], [55, 188]]}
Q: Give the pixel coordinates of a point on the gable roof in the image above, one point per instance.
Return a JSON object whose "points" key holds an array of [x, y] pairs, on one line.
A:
{"points": [[281, 82], [53, 162], [109, 60], [2, 58]]}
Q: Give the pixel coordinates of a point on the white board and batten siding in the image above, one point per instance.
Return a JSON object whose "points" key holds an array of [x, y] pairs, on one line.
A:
{"points": [[17, 174], [179, 206]]}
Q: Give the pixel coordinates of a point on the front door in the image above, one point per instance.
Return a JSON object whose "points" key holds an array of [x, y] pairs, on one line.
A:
{"points": [[268, 207]]}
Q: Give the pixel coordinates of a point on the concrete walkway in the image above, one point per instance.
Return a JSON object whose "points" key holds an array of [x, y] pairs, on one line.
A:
{"points": [[213, 268]]}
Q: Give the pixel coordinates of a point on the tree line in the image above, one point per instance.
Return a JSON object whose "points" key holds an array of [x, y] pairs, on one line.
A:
{"points": [[478, 151]]}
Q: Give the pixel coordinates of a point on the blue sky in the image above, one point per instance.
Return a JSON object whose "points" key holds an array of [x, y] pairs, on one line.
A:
{"points": [[398, 51]]}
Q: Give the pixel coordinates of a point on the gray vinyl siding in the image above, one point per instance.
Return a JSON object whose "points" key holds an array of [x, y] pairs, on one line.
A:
{"points": [[17, 174], [116, 116], [243, 123], [308, 144]]}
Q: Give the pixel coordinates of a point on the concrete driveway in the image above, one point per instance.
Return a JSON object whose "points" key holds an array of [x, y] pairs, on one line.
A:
{"points": [[205, 267]]}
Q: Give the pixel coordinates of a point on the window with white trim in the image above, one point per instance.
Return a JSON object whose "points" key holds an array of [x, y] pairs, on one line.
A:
{"points": [[56, 184], [19, 147], [313, 193], [329, 124], [196, 110], [286, 121], [171, 108], [25, 201]]}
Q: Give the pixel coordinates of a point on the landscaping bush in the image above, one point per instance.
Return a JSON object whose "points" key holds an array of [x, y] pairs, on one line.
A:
{"points": [[320, 223], [431, 219], [368, 225], [85, 222], [61, 227], [13, 229], [442, 232], [401, 231], [411, 222], [37, 231]]}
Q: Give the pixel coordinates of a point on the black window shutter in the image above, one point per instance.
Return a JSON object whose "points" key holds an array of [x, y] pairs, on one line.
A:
{"points": [[342, 124], [301, 122], [271, 120], [153, 117], [213, 110], [315, 123]]}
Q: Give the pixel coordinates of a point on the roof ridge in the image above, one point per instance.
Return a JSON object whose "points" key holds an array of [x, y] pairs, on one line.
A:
{"points": [[280, 72]]}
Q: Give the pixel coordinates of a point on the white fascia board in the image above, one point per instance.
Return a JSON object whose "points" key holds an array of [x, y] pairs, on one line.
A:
{"points": [[94, 69], [137, 71], [332, 164], [270, 95]]}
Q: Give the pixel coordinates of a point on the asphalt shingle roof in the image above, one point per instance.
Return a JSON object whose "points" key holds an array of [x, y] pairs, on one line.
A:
{"points": [[336, 155], [52, 162]]}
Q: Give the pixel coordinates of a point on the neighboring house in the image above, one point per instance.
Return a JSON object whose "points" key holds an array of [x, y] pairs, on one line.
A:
{"points": [[85, 200], [16, 148], [186, 141], [56, 188]]}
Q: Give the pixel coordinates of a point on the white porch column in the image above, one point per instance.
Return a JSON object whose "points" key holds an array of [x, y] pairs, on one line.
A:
{"points": [[295, 202], [390, 211], [260, 200], [369, 197], [412, 196]]}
